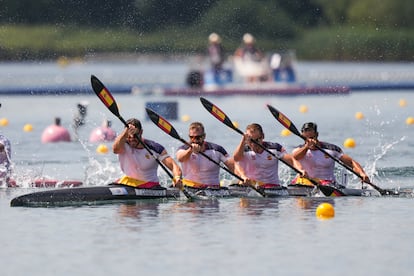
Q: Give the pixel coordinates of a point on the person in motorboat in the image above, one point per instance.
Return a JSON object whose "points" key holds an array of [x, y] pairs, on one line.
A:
{"points": [[198, 171], [215, 52], [257, 166], [217, 75], [5, 161], [319, 165], [138, 165], [250, 62]]}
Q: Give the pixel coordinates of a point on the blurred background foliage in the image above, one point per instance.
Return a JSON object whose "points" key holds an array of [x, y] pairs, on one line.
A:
{"points": [[315, 29]]}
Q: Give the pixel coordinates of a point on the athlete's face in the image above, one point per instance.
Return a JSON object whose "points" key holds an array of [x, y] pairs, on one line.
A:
{"points": [[133, 134], [311, 138], [257, 136], [309, 133], [197, 136]]}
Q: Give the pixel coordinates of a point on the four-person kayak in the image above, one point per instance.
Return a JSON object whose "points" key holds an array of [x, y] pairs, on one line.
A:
{"points": [[116, 192]]}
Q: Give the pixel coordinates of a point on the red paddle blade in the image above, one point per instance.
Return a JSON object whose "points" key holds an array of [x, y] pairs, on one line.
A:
{"points": [[330, 191], [214, 110], [162, 123], [218, 113], [283, 120], [104, 95], [159, 120]]}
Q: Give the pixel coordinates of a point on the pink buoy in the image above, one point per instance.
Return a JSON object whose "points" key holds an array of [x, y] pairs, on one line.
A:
{"points": [[55, 133], [103, 133]]}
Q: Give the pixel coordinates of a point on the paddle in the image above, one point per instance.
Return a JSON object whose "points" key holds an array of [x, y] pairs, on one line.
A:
{"points": [[222, 117], [164, 125], [108, 100], [289, 125]]}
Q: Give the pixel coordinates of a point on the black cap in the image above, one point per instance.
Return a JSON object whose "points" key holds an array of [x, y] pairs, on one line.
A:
{"points": [[310, 126]]}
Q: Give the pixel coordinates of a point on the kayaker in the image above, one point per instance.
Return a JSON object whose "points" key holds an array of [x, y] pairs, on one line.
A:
{"points": [[250, 62], [215, 52], [138, 165], [198, 171], [257, 166], [5, 160], [318, 165]]}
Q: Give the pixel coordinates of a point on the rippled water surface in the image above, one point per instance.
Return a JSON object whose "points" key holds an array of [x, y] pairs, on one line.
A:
{"points": [[367, 236]]}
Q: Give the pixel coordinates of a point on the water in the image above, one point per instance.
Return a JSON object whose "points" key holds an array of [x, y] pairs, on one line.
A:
{"points": [[243, 236]]}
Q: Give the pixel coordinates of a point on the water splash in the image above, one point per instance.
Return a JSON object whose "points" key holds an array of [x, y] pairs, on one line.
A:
{"points": [[100, 173], [27, 178], [379, 152]]}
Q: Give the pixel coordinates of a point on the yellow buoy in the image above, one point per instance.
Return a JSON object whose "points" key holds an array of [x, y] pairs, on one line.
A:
{"points": [[285, 132], [403, 103], [102, 148], [349, 143], [63, 61], [409, 121], [325, 211], [185, 118], [4, 122], [303, 108], [359, 115], [236, 124], [27, 128]]}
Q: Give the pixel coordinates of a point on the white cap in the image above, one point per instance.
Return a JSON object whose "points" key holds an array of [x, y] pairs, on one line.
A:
{"points": [[248, 38], [213, 37]]}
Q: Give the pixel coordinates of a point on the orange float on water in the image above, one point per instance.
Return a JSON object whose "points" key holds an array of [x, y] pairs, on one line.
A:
{"points": [[325, 211]]}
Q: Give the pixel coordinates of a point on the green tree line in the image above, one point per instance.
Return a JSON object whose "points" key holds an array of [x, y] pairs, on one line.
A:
{"points": [[316, 29]]}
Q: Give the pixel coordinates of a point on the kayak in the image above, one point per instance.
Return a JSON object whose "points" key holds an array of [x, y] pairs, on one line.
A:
{"points": [[91, 195], [306, 190], [116, 192]]}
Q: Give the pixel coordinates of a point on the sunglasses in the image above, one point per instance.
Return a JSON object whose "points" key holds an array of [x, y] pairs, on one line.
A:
{"points": [[196, 136]]}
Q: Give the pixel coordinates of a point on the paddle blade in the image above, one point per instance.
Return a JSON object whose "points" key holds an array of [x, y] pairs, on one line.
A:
{"points": [[330, 191], [283, 120], [162, 123], [218, 113], [104, 95]]}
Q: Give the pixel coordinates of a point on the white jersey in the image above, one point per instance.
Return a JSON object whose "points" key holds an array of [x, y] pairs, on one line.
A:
{"points": [[263, 167], [139, 163], [319, 165], [201, 170]]}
